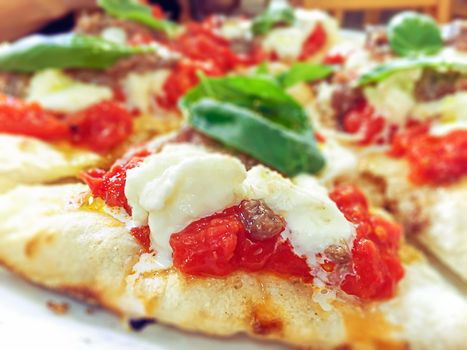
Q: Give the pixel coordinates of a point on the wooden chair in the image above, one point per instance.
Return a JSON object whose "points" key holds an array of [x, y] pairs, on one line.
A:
{"points": [[459, 8], [441, 9]]}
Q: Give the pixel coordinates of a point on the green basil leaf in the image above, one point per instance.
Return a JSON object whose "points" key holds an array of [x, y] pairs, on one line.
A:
{"points": [[137, 12], [304, 72], [245, 130], [278, 12], [63, 51], [412, 34], [384, 71], [261, 94]]}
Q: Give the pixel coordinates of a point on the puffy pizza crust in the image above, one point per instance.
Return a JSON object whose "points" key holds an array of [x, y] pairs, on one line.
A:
{"points": [[89, 254], [435, 217], [26, 160]]}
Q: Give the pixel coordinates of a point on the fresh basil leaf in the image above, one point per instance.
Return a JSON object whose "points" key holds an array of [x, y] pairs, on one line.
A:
{"points": [[135, 11], [304, 72], [413, 34], [278, 12], [261, 94], [63, 51], [384, 71], [247, 131]]}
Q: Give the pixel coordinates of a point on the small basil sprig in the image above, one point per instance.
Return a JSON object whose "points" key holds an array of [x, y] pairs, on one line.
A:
{"points": [[63, 51], [278, 12], [384, 71], [304, 72], [137, 12], [254, 115], [414, 34]]}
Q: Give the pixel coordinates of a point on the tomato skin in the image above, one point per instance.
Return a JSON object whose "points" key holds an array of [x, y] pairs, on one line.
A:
{"points": [[29, 119], [219, 245], [142, 236], [101, 127], [315, 42], [376, 264], [110, 185], [205, 52], [363, 119], [433, 160]]}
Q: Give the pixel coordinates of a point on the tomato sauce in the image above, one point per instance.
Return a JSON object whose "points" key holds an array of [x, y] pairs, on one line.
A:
{"points": [[315, 42], [376, 264], [362, 119], [433, 160], [110, 185], [204, 52], [100, 127], [219, 245]]}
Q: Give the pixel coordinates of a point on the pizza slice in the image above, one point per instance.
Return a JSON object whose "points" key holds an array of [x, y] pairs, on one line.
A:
{"points": [[202, 243], [402, 117]]}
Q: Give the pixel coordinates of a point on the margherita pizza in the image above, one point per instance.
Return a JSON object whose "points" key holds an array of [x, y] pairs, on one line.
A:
{"points": [[268, 212]]}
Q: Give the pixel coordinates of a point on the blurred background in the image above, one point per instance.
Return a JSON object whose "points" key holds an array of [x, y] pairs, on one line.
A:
{"points": [[20, 17]]}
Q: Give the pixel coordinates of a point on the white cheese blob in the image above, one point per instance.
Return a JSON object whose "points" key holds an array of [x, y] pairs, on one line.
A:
{"points": [[184, 183], [141, 89], [340, 161], [179, 185], [55, 91], [313, 220], [287, 42], [235, 28], [115, 35], [393, 97]]}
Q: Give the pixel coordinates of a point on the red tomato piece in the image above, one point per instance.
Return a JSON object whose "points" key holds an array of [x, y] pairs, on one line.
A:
{"points": [[364, 120], [376, 264], [315, 42], [102, 126], [22, 118], [434, 160], [142, 235], [110, 185]]}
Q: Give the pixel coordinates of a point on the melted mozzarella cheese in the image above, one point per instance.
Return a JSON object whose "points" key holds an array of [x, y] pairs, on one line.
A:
{"points": [[55, 91], [184, 183], [288, 42], [340, 161], [179, 185], [235, 28], [393, 97], [142, 89], [313, 220]]}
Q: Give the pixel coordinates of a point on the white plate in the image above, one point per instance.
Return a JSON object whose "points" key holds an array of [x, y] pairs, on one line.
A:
{"points": [[27, 323]]}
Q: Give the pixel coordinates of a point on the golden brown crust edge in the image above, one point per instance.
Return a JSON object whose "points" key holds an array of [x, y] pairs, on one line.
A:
{"points": [[91, 255]]}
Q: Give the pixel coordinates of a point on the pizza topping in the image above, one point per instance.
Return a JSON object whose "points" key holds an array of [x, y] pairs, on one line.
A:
{"points": [[433, 159], [178, 185], [71, 50], [434, 85], [376, 264], [254, 115], [151, 16], [309, 33], [412, 34], [110, 185], [100, 127], [55, 91], [278, 13], [203, 51], [259, 220]]}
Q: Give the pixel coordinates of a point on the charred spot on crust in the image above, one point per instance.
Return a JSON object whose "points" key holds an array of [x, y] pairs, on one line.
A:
{"points": [[138, 324], [264, 326]]}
